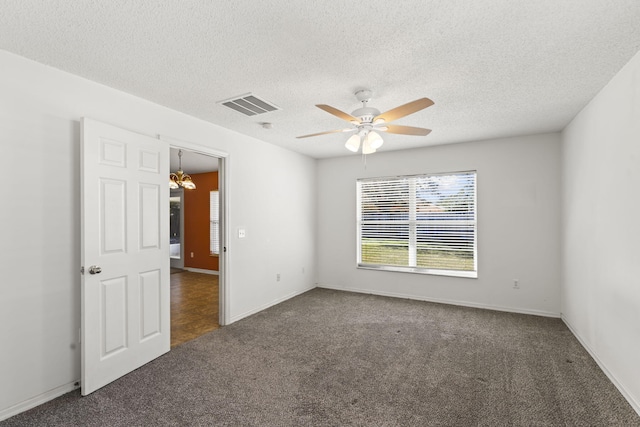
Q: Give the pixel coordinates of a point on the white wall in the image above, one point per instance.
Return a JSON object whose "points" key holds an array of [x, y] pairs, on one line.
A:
{"points": [[271, 194], [518, 181], [601, 227]]}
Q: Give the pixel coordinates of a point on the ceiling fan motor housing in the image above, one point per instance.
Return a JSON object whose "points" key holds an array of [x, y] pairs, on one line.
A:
{"points": [[366, 114]]}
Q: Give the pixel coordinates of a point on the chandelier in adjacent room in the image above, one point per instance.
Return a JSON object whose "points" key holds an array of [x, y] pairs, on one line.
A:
{"points": [[179, 178]]}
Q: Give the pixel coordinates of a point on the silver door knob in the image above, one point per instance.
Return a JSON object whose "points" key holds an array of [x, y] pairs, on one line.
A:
{"points": [[94, 269]]}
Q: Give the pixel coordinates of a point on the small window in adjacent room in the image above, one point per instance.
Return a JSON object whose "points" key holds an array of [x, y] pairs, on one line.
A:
{"points": [[418, 224], [214, 223]]}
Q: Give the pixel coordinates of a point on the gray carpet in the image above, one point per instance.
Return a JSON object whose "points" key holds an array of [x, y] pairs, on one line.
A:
{"points": [[329, 358]]}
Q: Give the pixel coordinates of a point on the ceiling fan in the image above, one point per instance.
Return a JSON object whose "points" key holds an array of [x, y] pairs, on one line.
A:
{"points": [[367, 122]]}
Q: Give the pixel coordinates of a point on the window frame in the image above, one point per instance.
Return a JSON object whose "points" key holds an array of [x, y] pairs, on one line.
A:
{"points": [[412, 225]]}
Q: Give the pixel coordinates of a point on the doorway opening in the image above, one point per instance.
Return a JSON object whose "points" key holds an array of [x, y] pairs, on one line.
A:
{"points": [[194, 305], [195, 255], [176, 230]]}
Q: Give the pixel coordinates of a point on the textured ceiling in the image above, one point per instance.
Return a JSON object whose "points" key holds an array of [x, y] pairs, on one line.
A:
{"points": [[192, 162], [494, 68]]}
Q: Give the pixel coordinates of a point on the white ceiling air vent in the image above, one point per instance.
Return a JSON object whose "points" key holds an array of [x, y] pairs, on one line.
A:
{"points": [[249, 104]]}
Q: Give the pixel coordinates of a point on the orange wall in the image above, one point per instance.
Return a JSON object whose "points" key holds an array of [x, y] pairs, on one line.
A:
{"points": [[196, 222]]}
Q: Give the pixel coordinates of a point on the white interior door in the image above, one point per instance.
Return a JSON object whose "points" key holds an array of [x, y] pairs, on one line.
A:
{"points": [[125, 252]]}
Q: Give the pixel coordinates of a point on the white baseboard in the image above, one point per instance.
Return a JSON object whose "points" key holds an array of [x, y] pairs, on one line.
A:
{"points": [[634, 403], [444, 301], [202, 270], [271, 304], [37, 400]]}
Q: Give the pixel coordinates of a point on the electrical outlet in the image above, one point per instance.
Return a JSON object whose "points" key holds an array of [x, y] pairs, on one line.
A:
{"points": [[191, 254], [516, 284], [278, 277]]}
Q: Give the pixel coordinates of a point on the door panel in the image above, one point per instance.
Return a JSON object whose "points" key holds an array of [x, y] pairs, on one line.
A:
{"points": [[113, 216], [151, 297], [125, 232], [150, 216], [113, 315]]}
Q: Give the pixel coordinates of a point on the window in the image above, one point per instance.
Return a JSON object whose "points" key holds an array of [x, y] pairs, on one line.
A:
{"points": [[214, 223], [418, 224]]}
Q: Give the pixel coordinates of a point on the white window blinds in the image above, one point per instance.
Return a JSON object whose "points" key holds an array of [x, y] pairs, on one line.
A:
{"points": [[421, 224], [214, 223]]}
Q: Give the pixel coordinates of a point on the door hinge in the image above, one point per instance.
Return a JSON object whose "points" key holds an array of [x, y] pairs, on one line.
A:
{"points": [[82, 270]]}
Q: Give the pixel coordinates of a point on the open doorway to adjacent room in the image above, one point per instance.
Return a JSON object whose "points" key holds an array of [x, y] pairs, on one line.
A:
{"points": [[194, 246]]}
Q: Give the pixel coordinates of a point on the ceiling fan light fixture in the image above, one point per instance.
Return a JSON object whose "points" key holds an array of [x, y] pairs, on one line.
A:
{"points": [[374, 140], [367, 148], [353, 143]]}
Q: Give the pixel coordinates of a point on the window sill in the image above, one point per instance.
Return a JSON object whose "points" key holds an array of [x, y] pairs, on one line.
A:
{"points": [[417, 270]]}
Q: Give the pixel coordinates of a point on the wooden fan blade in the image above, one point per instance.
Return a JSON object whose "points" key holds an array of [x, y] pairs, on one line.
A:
{"points": [[405, 130], [340, 114], [404, 110], [325, 133]]}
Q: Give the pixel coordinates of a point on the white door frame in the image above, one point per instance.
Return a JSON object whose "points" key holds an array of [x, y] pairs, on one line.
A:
{"points": [[223, 188]]}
